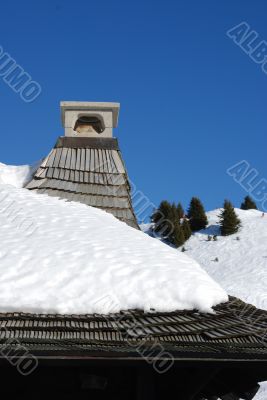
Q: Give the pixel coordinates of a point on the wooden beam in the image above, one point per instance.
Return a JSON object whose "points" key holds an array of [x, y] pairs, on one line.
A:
{"points": [[87, 142]]}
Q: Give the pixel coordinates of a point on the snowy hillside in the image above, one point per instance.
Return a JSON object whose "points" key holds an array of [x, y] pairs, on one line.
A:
{"points": [[62, 257], [242, 266]]}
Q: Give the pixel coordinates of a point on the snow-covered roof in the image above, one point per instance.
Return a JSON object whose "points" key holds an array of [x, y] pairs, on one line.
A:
{"points": [[65, 257]]}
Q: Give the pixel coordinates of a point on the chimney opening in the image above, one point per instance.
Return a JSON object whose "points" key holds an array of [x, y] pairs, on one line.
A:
{"points": [[89, 124]]}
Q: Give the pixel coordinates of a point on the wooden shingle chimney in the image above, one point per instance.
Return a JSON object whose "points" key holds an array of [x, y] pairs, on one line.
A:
{"points": [[86, 164]]}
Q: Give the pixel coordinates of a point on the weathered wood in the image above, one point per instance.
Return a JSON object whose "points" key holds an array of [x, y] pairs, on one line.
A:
{"points": [[92, 175], [118, 162], [92, 160], [57, 158], [73, 159], [63, 157], [40, 173], [86, 142], [68, 159], [78, 159], [82, 165], [51, 158]]}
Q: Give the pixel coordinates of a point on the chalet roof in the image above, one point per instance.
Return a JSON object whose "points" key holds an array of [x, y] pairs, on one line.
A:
{"points": [[90, 171], [236, 331]]}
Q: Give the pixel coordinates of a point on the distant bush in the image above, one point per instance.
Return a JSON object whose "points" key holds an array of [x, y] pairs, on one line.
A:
{"points": [[248, 204]]}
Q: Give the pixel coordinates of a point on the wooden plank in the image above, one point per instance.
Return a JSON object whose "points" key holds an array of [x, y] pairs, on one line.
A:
{"points": [[104, 161], [112, 167], [76, 176], [68, 159], [92, 160], [83, 158], [100, 160], [72, 176], [86, 142], [61, 185], [82, 176], [44, 161], [50, 172], [63, 157], [108, 168], [73, 159], [92, 177], [118, 162], [35, 183], [117, 179], [78, 159], [67, 174], [69, 186], [96, 178], [62, 173], [96, 166], [56, 173], [87, 159], [41, 173], [51, 158], [86, 177], [104, 178], [57, 158]]}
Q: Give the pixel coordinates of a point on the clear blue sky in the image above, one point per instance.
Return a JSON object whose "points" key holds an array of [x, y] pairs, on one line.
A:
{"points": [[192, 102]]}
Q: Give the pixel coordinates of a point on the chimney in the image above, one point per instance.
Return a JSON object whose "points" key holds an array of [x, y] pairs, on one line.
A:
{"points": [[85, 164], [86, 119]]}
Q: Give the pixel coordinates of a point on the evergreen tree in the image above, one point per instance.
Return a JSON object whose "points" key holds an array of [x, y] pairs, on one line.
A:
{"points": [[161, 215], [248, 204], [177, 237], [229, 221], [165, 218], [197, 215], [180, 211], [186, 229]]}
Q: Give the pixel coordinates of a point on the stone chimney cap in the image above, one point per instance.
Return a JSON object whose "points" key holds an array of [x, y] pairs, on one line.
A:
{"points": [[90, 106]]}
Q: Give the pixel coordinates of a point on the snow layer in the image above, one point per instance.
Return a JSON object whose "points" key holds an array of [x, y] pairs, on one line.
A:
{"points": [[61, 257], [17, 176]]}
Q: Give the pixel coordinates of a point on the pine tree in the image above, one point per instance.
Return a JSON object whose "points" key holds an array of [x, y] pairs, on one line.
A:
{"points": [[164, 219], [177, 237], [197, 215], [180, 211], [161, 216], [229, 221], [186, 229], [248, 204]]}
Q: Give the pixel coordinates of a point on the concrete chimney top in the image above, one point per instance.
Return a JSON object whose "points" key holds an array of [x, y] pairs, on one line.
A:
{"points": [[89, 119]]}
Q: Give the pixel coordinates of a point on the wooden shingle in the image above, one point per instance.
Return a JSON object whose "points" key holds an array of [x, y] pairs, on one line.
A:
{"points": [[92, 174]]}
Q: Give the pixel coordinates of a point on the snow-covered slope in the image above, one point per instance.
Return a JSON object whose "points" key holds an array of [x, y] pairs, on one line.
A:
{"points": [[62, 257], [242, 265]]}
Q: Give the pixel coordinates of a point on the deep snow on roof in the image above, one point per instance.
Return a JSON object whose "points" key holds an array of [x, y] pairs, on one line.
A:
{"points": [[65, 257]]}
